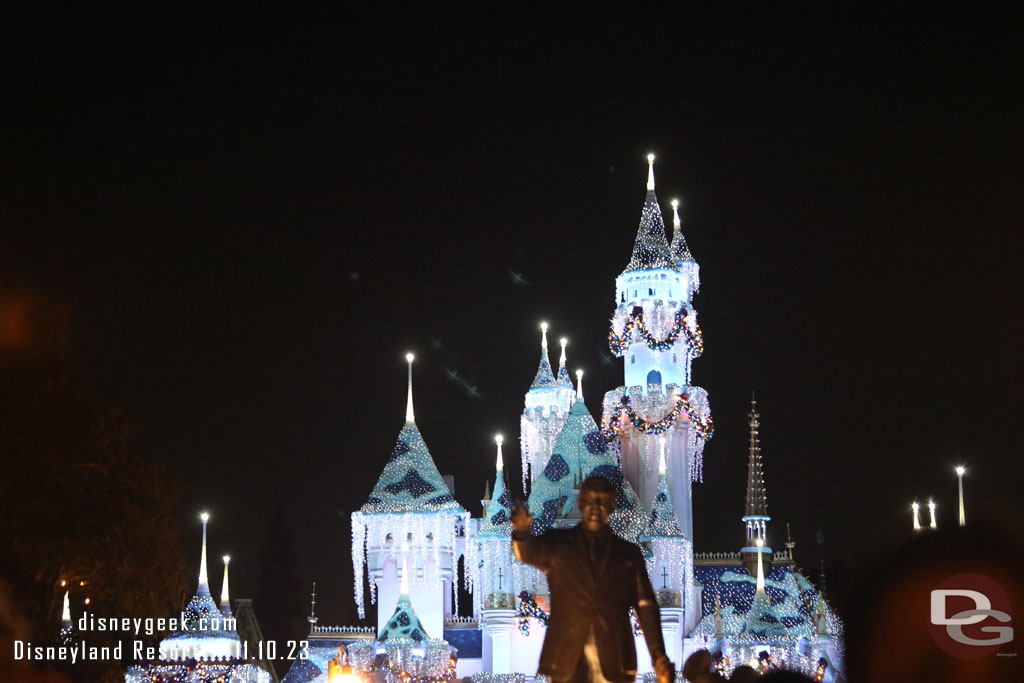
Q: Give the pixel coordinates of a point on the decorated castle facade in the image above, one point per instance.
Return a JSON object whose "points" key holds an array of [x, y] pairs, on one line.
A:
{"points": [[410, 535]]}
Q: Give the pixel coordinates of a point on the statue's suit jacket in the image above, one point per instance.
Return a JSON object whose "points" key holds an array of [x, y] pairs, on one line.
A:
{"points": [[598, 595]]}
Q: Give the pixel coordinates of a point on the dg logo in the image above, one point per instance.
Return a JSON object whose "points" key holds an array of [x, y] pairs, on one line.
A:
{"points": [[969, 616]]}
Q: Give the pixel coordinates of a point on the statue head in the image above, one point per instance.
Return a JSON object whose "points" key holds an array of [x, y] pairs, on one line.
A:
{"points": [[596, 502]]}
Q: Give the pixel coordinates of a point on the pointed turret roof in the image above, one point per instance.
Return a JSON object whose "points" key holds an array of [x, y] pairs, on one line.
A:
{"points": [[544, 376], [663, 522], [581, 451], [563, 373], [680, 250], [498, 515], [651, 250], [410, 481], [403, 626], [757, 498], [202, 612]]}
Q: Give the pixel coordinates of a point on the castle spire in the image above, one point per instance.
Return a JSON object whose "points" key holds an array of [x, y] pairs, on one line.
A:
{"points": [[563, 373], [651, 250], [499, 464], [204, 580], [579, 385], [544, 376], [225, 597], [757, 501], [756, 516], [409, 415], [680, 250]]}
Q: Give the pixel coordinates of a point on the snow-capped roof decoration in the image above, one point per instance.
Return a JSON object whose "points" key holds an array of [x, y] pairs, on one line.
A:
{"points": [[581, 451], [544, 376], [403, 626], [410, 481], [498, 515], [663, 522], [563, 372], [651, 249], [786, 610], [678, 247]]}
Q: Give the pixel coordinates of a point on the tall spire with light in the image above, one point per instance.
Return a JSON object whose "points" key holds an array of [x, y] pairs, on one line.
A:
{"points": [[225, 597], [579, 385], [563, 372], [204, 580], [680, 250], [544, 376], [409, 414], [931, 513], [917, 521]]}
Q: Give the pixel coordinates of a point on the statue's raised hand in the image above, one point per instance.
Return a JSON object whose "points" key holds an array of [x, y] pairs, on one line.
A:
{"points": [[521, 519]]}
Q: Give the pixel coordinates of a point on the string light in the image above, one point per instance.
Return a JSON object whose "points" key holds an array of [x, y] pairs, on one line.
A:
{"points": [[635, 329]]}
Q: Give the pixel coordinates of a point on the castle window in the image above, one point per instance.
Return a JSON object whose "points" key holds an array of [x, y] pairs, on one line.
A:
{"points": [[623, 297], [673, 358], [654, 377], [632, 359], [650, 291]]}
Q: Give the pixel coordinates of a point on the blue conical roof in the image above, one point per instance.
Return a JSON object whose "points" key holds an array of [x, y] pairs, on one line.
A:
{"points": [[628, 521], [581, 451], [651, 249], [410, 481], [404, 625], [680, 250], [498, 515], [663, 522], [544, 376]]}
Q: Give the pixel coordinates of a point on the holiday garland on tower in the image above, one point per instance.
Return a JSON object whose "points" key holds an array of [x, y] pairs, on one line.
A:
{"points": [[636, 327], [704, 427]]}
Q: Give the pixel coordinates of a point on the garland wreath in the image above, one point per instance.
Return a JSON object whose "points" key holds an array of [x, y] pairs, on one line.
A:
{"points": [[618, 343], [705, 427]]}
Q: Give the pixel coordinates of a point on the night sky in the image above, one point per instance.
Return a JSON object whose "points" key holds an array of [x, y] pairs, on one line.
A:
{"points": [[252, 217]]}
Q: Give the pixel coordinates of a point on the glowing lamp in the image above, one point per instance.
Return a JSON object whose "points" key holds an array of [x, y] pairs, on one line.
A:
{"points": [[409, 358], [499, 439], [205, 517], [650, 158], [759, 542], [960, 470], [341, 673]]}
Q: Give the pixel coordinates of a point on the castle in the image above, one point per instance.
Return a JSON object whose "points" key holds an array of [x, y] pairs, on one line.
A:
{"points": [[409, 536]]}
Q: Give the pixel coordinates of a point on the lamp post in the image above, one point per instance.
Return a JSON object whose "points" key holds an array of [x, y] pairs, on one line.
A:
{"points": [[960, 484]]}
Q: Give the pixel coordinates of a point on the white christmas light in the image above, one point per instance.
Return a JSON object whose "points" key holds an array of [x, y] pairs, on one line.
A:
{"points": [[676, 223], [960, 486]]}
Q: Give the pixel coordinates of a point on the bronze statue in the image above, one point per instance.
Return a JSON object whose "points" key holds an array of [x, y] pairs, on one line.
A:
{"points": [[594, 577]]}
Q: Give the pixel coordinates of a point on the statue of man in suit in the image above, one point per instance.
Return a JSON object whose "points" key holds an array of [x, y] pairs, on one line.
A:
{"points": [[594, 577]]}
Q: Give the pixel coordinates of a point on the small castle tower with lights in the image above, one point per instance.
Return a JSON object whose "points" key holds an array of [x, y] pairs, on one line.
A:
{"points": [[546, 408], [410, 515]]}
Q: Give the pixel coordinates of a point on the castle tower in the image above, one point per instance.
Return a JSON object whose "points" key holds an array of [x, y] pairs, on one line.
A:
{"points": [[547, 405], [410, 514], [490, 560], [756, 516], [225, 596], [654, 330], [670, 566]]}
